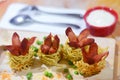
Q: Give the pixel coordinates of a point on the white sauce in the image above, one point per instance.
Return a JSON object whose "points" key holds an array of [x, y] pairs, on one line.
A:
{"points": [[100, 18]]}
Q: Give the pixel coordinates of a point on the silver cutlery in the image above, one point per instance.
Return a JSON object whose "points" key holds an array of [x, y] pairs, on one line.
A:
{"points": [[24, 19], [39, 11]]}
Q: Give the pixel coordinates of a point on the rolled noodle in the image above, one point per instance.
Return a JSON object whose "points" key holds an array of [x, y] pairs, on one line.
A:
{"points": [[88, 70], [18, 63], [50, 59], [71, 53]]}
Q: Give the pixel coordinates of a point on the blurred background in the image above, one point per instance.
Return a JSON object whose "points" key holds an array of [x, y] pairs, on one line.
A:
{"points": [[70, 4], [79, 4]]}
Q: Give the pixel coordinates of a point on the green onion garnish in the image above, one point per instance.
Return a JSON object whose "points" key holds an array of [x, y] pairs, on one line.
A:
{"points": [[66, 70], [74, 67], [44, 37], [69, 77], [76, 72], [81, 73], [29, 76], [61, 45], [38, 42], [70, 62], [35, 49], [35, 54], [48, 74]]}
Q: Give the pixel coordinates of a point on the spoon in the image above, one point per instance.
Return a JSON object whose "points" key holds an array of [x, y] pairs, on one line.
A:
{"points": [[39, 11], [24, 19]]}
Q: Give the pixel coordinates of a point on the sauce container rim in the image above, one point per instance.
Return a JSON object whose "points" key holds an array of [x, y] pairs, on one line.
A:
{"points": [[110, 10]]}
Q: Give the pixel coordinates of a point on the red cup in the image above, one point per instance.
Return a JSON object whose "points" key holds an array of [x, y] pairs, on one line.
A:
{"points": [[101, 31]]}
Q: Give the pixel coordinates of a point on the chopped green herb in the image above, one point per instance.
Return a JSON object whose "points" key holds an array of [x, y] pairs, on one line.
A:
{"points": [[76, 72], [29, 76], [81, 73], [48, 74], [61, 45], [69, 77], [70, 62], [66, 70], [44, 37], [35, 48], [35, 54], [73, 66], [38, 42]]}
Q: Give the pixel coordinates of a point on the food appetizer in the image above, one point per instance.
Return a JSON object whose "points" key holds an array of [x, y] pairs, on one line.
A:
{"points": [[84, 53], [49, 52], [93, 60], [80, 56], [72, 48], [20, 53]]}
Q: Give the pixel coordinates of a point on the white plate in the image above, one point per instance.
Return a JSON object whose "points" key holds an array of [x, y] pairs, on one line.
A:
{"points": [[105, 74]]}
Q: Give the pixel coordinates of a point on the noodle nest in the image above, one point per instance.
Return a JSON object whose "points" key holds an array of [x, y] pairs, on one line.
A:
{"points": [[71, 53], [88, 70], [21, 62], [50, 59]]}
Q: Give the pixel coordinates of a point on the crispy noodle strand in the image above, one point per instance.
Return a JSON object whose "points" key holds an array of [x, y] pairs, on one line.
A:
{"points": [[88, 70], [50, 59], [18, 63], [71, 53]]}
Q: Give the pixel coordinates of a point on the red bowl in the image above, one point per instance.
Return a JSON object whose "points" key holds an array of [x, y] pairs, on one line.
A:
{"points": [[97, 30]]}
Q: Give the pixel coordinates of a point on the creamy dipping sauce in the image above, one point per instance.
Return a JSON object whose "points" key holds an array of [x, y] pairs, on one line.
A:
{"points": [[100, 18]]}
